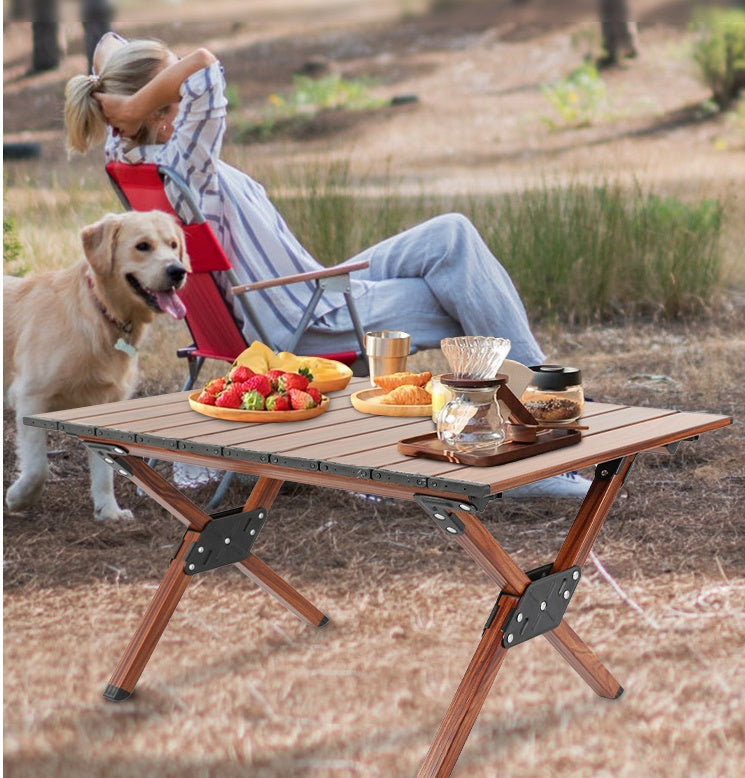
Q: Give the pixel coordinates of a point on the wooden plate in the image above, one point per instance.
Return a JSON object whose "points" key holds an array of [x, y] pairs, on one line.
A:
{"points": [[234, 414], [368, 401], [327, 381]]}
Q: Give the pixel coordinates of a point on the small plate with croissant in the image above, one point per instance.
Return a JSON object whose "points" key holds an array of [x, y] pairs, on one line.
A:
{"points": [[396, 394]]}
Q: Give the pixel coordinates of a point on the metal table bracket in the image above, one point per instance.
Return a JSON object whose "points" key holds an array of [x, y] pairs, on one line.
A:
{"points": [[441, 510], [112, 454], [606, 470], [225, 540], [541, 607]]}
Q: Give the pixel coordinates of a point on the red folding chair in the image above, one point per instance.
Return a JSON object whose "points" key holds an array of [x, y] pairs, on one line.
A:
{"points": [[214, 328]]}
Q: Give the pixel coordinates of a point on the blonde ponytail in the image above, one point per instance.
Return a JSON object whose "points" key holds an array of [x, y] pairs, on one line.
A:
{"points": [[84, 120], [126, 71]]}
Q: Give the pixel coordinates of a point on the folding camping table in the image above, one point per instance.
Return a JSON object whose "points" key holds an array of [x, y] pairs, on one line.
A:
{"points": [[345, 449]]}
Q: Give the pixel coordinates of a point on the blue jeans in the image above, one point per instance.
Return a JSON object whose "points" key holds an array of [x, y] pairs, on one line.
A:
{"points": [[434, 281]]}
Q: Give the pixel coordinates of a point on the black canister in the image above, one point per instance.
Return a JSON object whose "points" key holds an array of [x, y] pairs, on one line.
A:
{"points": [[555, 393]]}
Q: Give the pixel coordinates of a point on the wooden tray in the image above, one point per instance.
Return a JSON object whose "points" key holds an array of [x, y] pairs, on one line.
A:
{"points": [[368, 401], [234, 414], [428, 445]]}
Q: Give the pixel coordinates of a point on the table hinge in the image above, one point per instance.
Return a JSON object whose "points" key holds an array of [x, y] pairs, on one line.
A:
{"points": [[541, 606], [675, 445], [441, 510], [112, 454], [607, 470], [225, 540]]}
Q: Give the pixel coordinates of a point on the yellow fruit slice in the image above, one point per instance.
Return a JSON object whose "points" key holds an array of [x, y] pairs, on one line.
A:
{"points": [[256, 356], [285, 360]]}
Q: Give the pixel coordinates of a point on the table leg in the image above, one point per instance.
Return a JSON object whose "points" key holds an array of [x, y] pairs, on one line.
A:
{"points": [[574, 551], [263, 575], [264, 493], [582, 659], [491, 557], [161, 608], [174, 583], [481, 545], [469, 698], [591, 516]]}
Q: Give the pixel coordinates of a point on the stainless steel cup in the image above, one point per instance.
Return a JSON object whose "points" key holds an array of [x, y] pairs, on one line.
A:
{"points": [[387, 351]]}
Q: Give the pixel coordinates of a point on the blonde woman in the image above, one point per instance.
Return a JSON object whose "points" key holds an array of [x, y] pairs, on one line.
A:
{"points": [[435, 280]]}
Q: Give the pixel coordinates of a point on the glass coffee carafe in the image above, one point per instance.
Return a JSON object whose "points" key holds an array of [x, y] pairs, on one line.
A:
{"points": [[471, 421]]}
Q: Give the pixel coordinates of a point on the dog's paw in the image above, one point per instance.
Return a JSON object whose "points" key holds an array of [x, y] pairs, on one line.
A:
{"points": [[20, 495], [115, 513]]}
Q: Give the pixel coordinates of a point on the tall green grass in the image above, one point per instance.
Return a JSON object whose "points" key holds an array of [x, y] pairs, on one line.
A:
{"points": [[577, 253], [585, 253], [334, 214]]}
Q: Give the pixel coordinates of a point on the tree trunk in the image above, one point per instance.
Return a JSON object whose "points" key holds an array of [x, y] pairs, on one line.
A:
{"points": [[19, 11], [45, 32], [618, 31], [97, 16]]}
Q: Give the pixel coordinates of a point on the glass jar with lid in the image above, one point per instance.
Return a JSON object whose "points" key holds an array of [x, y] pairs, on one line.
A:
{"points": [[471, 420], [555, 394]]}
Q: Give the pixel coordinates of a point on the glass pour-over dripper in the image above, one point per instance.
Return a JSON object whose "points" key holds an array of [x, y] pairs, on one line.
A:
{"points": [[475, 356]]}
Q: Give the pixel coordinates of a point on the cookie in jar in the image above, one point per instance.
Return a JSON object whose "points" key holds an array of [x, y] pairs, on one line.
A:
{"points": [[555, 394]]}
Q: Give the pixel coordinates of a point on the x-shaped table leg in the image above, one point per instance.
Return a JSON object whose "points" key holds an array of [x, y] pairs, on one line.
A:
{"points": [[486, 661], [167, 597]]}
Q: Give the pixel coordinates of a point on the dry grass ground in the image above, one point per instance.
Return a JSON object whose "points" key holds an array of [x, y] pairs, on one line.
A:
{"points": [[238, 686]]}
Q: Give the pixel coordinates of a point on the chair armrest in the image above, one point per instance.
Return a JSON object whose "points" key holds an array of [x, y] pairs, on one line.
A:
{"points": [[337, 270]]}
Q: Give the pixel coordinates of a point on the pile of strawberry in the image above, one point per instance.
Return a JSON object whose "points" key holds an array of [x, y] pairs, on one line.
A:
{"points": [[275, 390]]}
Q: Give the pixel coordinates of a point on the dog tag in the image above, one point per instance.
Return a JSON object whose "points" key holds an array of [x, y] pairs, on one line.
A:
{"points": [[127, 348]]}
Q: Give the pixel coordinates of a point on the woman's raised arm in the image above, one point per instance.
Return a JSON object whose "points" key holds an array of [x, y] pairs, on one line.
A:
{"points": [[127, 113]]}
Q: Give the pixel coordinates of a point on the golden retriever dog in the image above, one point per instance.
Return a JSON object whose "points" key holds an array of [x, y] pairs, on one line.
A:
{"points": [[70, 336]]}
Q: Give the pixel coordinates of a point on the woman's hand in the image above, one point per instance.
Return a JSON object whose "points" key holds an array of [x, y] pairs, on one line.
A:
{"points": [[118, 114], [105, 47]]}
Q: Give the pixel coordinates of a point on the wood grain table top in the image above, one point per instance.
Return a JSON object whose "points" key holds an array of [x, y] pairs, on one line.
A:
{"points": [[345, 443]]}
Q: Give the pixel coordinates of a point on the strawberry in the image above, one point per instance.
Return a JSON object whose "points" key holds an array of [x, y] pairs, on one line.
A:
{"points": [[206, 398], [239, 374], [315, 394], [289, 381], [277, 402], [215, 386], [230, 397], [252, 401], [259, 383], [300, 400], [245, 386], [273, 376]]}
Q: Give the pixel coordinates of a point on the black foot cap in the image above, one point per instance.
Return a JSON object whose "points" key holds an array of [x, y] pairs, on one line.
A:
{"points": [[619, 693], [115, 694], [324, 621]]}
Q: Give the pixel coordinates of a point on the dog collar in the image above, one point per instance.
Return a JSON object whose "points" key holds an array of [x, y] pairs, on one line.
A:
{"points": [[122, 344]]}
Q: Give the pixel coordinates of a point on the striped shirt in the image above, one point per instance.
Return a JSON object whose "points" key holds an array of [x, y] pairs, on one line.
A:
{"points": [[250, 229]]}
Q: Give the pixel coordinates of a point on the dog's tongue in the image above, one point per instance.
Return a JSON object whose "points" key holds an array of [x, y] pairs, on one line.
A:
{"points": [[171, 304]]}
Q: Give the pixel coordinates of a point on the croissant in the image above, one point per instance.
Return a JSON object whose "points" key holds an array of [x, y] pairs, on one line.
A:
{"points": [[407, 394], [392, 380]]}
